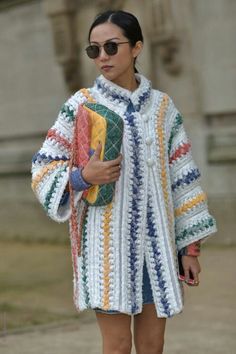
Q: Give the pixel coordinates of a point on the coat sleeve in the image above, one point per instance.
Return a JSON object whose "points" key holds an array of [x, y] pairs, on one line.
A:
{"points": [[193, 221], [50, 165]]}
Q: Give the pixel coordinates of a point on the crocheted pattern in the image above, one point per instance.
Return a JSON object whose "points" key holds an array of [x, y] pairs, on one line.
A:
{"points": [[119, 96], [68, 112], [177, 123], [156, 264], [135, 195], [158, 206], [44, 172], [162, 153], [52, 190], [184, 208], [190, 202], [50, 165], [43, 158], [181, 151], [190, 177], [106, 253], [84, 269], [54, 134], [80, 269], [202, 226]]}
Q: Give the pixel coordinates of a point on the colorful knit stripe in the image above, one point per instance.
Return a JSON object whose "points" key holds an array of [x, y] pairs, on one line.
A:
{"points": [[106, 252], [200, 198], [44, 171], [136, 198], [68, 113], [86, 93], [177, 123], [52, 189], [43, 158], [158, 267], [163, 172], [182, 150], [195, 229], [54, 134], [75, 252], [84, 270], [191, 176], [119, 97]]}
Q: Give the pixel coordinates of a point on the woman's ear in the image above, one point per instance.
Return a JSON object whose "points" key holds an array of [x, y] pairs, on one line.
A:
{"points": [[137, 48]]}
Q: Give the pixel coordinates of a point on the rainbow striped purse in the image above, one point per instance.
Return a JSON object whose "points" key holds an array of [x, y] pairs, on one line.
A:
{"points": [[95, 122]]}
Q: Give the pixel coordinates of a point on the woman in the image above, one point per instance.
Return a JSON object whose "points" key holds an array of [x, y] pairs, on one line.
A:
{"points": [[126, 263]]}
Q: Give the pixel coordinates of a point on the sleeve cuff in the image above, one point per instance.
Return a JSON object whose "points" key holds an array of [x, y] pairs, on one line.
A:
{"points": [[77, 181]]}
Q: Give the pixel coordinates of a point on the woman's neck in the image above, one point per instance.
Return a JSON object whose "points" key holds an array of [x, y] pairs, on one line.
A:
{"points": [[128, 83]]}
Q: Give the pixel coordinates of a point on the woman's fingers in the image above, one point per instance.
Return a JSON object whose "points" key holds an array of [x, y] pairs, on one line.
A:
{"points": [[195, 278], [97, 152], [116, 169], [102, 172], [195, 271], [186, 274], [113, 176], [115, 162], [191, 270]]}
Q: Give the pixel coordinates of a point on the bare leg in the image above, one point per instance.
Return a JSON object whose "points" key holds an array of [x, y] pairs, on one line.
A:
{"points": [[149, 331], [116, 333]]}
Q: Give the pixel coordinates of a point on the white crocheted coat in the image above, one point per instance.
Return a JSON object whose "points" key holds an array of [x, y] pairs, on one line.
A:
{"points": [[158, 206]]}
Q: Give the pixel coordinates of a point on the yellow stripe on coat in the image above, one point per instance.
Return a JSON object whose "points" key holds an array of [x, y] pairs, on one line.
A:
{"points": [[200, 198], [106, 253], [51, 166]]}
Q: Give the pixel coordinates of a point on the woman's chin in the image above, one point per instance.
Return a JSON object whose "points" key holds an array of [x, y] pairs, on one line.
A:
{"points": [[109, 75]]}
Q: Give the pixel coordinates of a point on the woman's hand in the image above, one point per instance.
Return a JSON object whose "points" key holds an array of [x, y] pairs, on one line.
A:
{"points": [[101, 172], [191, 263]]}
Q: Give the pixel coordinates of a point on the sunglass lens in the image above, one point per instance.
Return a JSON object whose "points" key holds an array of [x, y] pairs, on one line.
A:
{"points": [[92, 51], [111, 48]]}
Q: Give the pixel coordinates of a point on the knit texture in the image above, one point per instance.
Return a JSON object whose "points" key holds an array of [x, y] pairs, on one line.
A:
{"points": [[158, 206]]}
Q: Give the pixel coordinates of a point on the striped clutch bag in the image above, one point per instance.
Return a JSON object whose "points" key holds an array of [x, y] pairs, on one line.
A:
{"points": [[95, 122]]}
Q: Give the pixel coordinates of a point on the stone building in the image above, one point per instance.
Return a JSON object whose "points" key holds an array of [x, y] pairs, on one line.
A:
{"points": [[189, 52]]}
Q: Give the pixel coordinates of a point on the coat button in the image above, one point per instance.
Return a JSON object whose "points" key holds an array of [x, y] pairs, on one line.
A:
{"points": [[150, 162], [149, 140]]}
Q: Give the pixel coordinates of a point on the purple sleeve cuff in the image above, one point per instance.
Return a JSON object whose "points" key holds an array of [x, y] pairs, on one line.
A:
{"points": [[77, 181]]}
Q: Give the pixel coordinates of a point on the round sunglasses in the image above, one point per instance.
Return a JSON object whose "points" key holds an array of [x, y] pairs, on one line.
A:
{"points": [[110, 48]]}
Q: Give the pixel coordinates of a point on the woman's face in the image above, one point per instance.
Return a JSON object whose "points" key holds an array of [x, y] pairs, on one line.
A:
{"points": [[117, 68]]}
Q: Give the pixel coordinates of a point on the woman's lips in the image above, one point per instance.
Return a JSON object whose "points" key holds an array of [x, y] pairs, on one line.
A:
{"points": [[106, 67]]}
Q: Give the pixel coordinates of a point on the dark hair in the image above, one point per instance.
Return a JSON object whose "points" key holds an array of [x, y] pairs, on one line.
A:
{"points": [[125, 20]]}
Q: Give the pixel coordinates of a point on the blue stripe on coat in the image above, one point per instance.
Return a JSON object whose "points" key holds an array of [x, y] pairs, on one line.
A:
{"points": [[137, 182], [152, 234]]}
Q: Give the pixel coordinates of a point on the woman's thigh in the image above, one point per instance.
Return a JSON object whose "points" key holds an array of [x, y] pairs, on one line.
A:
{"points": [[149, 331], [116, 332]]}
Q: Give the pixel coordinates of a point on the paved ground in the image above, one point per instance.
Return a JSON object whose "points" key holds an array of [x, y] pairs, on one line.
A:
{"points": [[207, 326]]}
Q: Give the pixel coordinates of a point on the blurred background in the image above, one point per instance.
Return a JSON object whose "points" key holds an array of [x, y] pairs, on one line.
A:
{"points": [[190, 53]]}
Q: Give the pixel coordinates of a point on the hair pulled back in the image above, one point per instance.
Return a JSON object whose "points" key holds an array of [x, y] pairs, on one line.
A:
{"points": [[127, 22]]}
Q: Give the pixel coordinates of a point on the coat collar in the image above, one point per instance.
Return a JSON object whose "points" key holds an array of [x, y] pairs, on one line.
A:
{"points": [[117, 94]]}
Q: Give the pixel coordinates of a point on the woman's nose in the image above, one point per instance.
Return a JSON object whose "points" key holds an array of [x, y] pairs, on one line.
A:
{"points": [[103, 55]]}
